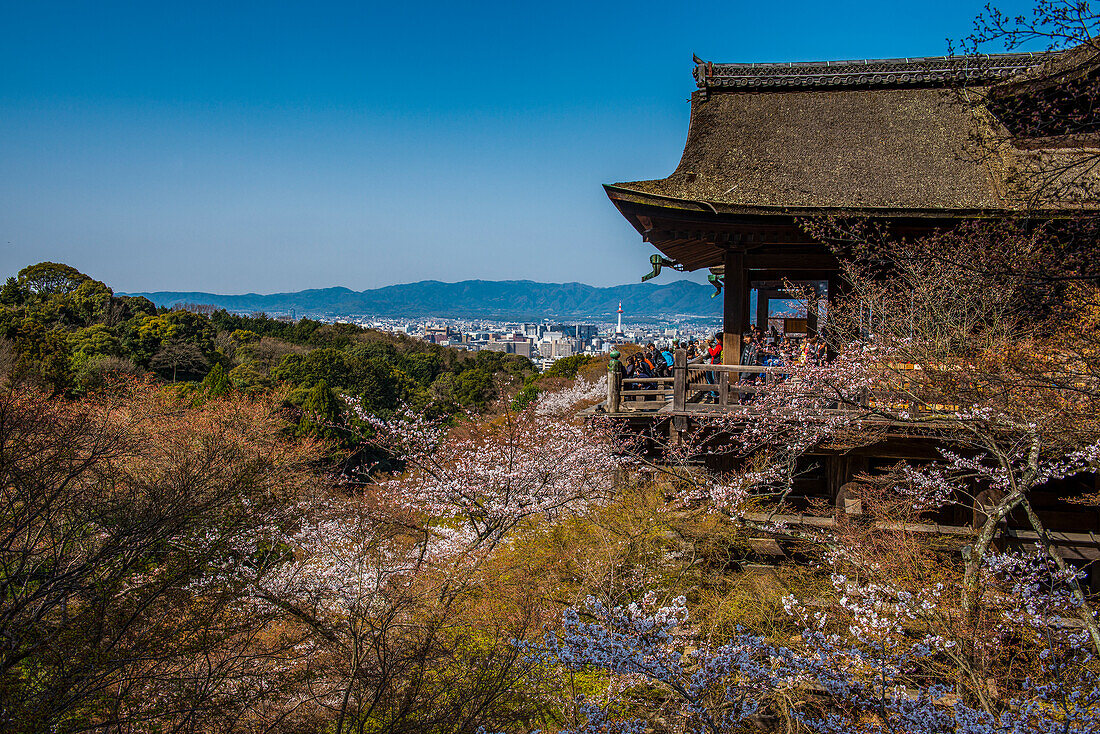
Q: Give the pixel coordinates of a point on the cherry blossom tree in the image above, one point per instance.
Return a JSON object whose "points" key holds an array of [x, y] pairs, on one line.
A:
{"points": [[484, 476], [567, 400], [864, 664], [380, 601], [133, 526]]}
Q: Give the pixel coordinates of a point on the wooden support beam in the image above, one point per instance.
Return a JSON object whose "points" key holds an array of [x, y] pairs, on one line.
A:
{"points": [[790, 261], [763, 301], [811, 310], [781, 276], [679, 379], [614, 390], [735, 306]]}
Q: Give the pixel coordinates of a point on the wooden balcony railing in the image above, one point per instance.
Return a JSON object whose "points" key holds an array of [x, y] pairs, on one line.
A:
{"points": [[688, 385], [696, 386]]}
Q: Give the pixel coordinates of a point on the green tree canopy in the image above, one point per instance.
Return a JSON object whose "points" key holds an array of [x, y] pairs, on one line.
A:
{"points": [[49, 278]]}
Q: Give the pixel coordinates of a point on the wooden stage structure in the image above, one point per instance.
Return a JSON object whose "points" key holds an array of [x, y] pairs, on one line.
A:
{"points": [[663, 410], [771, 147]]}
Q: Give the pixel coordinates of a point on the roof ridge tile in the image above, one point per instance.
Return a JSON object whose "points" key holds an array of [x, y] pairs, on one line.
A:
{"points": [[922, 71]]}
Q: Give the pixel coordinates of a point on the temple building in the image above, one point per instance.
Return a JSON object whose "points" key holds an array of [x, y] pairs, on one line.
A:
{"points": [[917, 143], [914, 145]]}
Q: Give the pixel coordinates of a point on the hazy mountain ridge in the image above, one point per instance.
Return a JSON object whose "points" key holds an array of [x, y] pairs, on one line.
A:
{"points": [[490, 299]]}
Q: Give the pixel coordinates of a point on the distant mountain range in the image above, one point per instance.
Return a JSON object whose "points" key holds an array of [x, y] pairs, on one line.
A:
{"points": [[504, 300]]}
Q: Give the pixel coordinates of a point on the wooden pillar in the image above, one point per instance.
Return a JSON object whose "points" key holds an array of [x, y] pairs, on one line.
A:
{"points": [[763, 304], [735, 306], [614, 386], [841, 469], [679, 379], [834, 295], [848, 501], [811, 309], [837, 292]]}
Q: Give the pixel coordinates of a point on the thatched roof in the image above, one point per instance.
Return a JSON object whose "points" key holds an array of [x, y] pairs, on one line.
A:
{"points": [[1062, 69], [895, 135]]}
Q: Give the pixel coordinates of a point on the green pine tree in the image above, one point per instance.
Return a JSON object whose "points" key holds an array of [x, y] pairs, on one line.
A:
{"points": [[322, 412], [216, 382]]}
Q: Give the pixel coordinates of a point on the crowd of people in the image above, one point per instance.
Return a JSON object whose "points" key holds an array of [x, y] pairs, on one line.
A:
{"points": [[778, 350], [758, 348]]}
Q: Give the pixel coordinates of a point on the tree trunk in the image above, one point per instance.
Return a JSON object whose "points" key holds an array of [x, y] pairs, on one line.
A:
{"points": [[1083, 610]]}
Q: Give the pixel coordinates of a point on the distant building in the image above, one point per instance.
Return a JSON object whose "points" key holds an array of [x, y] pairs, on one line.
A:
{"points": [[557, 348], [522, 347], [584, 332], [440, 334]]}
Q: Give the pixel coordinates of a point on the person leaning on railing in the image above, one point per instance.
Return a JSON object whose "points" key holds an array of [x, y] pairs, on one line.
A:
{"points": [[654, 364], [714, 354], [814, 350], [638, 367], [669, 354], [696, 353], [752, 354], [630, 369], [656, 361]]}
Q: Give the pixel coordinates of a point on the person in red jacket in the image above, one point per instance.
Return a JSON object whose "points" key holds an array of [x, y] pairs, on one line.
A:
{"points": [[714, 351]]}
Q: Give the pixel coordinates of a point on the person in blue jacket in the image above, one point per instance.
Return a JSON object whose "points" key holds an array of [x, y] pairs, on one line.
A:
{"points": [[670, 359]]}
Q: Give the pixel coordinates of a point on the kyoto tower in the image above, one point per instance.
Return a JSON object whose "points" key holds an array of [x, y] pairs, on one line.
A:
{"points": [[619, 328]]}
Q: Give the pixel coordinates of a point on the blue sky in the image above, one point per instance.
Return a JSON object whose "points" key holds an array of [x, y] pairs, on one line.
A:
{"points": [[274, 146]]}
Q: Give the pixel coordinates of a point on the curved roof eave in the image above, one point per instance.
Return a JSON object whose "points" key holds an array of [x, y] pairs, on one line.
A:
{"points": [[621, 192]]}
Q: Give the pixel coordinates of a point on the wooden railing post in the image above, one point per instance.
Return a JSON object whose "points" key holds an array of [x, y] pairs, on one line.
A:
{"points": [[614, 382], [679, 379]]}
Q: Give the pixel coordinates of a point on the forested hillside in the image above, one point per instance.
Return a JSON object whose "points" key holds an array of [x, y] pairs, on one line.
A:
{"points": [[70, 333]]}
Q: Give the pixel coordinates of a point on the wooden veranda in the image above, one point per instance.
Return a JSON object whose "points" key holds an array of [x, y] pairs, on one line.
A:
{"points": [[667, 409]]}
